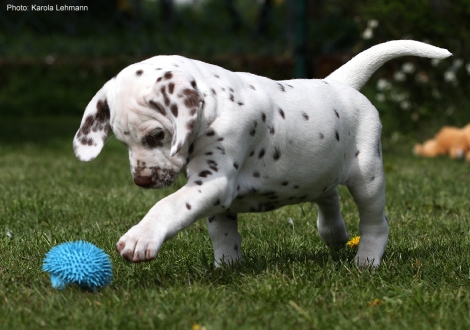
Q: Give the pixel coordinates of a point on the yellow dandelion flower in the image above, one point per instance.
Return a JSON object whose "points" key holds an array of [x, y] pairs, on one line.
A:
{"points": [[353, 242], [374, 302], [196, 327]]}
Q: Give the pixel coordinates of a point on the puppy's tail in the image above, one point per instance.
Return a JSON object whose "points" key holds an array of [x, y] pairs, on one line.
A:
{"points": [[358, 70]]}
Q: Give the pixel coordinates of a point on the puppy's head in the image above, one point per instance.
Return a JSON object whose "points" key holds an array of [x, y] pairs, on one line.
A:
{"points": [[153, 113]]}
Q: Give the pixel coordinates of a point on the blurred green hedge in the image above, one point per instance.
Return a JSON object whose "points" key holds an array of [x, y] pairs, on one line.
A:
{"points": [[53, 65]]}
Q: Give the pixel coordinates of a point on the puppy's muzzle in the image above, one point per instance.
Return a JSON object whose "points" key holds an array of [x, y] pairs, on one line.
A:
{"points": [[157, 178], [143, 181]]}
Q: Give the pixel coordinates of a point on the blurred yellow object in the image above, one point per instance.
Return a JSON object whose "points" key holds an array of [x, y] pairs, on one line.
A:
{"points": [[353, 242]]}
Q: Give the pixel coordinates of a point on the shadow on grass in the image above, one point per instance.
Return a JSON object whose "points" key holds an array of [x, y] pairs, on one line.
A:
{"points": [[201, 270]]}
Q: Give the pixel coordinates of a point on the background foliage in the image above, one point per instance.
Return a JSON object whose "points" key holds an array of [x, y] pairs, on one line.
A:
{"points": [[51, 63]]}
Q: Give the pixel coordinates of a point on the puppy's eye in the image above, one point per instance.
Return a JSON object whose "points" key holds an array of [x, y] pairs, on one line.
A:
{"points": [[158, 135], [154, 139]]}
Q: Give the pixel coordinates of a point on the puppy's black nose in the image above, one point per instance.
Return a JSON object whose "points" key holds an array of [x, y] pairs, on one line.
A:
{"points": [[143, 181]]}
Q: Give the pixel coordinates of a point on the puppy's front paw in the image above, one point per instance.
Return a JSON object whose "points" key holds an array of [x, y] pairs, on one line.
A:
{"points": [[139, 244]]}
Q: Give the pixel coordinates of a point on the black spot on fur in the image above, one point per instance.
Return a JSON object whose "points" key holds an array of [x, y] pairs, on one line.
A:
{"points": [[285, 183], [357, 153], [282, 113], [235, 165], [261, 153], [139, 72], [168, 75], [213, 91], [240, 103], [188, 206], [222, 149], [210, 132], [205, 173], [212, 165], [263, 117], [336, 113], [277, 154], [337, 135], [209, 153], [253, 132], [305, 115], [231, 97], [256, 174], [217, 202], [296, 187], [251, 153], [322, 136], [198, 182], [193, 83], [272, 130], [210, 219], [281, 87], [252, 87]]}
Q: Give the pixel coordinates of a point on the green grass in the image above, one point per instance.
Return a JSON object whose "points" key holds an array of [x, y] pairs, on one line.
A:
{"points": [[288, 279]]}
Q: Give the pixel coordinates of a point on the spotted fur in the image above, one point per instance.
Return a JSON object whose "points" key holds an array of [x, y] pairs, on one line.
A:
{"points": [[247, 144]]}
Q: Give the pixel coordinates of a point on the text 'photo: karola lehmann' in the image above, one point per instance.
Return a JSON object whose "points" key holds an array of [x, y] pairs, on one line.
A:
{"points": [[11, 7]]}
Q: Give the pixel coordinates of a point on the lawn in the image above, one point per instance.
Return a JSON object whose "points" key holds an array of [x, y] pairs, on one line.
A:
{"points": [[288, 279]]}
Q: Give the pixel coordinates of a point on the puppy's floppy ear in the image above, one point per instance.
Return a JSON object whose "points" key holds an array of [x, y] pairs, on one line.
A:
{"points": [[179, 99], [93, 131]]}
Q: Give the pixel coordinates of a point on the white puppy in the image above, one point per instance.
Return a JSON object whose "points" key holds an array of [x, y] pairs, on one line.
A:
{"points": [[248, 144]]}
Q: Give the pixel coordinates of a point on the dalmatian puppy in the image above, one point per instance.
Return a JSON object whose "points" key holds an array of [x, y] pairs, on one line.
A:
{"points": [[247, 144]]}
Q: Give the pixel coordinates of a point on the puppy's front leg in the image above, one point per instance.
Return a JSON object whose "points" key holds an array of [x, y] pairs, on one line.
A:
{"points": [[172, 214]]}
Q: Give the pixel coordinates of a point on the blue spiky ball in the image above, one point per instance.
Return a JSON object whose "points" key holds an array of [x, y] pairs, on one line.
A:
{"points": [[80, 263]]}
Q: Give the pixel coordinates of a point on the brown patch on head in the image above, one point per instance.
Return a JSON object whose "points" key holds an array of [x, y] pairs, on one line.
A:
{"points": [[192, 98], [158, 106], [174, 110], [166, 99], [168, 75], [171, 88], [190, 124]]}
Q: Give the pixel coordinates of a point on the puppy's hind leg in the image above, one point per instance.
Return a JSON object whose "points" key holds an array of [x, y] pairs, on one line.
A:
{"points": [[367, 187], [330, 223], [226, 240]]}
